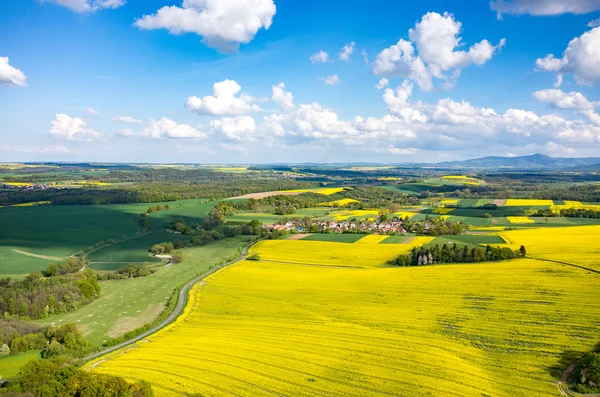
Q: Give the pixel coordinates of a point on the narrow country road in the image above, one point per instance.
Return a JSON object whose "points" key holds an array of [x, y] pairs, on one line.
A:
{"points": [[181, 301]]}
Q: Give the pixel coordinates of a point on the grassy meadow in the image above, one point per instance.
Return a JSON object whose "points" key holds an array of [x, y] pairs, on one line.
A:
{"points": [[125, 305]]}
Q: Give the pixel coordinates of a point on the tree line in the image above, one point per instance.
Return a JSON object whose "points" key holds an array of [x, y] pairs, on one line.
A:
{"points": [[59, 376], [569, 213], [152, 192], [62, 287], [455, 254]]}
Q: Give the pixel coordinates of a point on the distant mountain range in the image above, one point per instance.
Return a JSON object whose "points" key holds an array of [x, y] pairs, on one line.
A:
{"points": [[532, 162]]}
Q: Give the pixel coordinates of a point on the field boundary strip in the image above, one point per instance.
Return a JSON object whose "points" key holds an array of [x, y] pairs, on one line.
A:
{"points": [[181, 303], [565, 263]]}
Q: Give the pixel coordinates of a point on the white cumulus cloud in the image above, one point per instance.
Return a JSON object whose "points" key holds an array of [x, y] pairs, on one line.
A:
{"points": [[581, 59], [66, 128], [332, 80], [166, 128], [543, 7], [11, 76], [319, 57], [85, 6], [382, 83], [92, 111], [126, 119], [241, 128], [347, 51], [564, 100], [222, 24], [283, 98], [224, 102], [437, 39], [594, 24]]}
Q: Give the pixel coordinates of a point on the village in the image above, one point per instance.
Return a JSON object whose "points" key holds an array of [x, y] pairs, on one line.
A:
{"points": [[352, 226]]}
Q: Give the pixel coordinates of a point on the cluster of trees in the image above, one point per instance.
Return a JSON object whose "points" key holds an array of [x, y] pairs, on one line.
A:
{"points": [[157, 208], [144, 222], [589, 373], [580, 213], [434, 227], [39, 296], [455, 254], [569, 213], [72, 265], [135, 271], [20, 336], [59, 377]]}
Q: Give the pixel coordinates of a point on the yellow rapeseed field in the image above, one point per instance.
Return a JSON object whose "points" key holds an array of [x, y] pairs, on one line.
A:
{"points": [[18, 184], [367, 254], [578, 245], [371, 239], [449, 201], [341, 203], [327, 191], [265, 329], [404, 214], [343, 215], [32, 204], [519, 219], [443, 211], [444, 218], [528, 203]]}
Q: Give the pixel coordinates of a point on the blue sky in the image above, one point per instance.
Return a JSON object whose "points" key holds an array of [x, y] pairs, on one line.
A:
{"points": [[134, 81]]}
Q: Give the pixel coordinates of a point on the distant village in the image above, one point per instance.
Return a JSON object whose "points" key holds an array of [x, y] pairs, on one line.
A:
{"points": [[364, 226]]}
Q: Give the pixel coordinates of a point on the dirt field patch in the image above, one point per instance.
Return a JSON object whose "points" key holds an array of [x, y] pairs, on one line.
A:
{"points": [[299, 236], [499, 202], [126, 324]]}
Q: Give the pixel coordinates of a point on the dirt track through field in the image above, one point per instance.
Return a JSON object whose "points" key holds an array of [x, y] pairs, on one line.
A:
{"points": [[50, 258]]}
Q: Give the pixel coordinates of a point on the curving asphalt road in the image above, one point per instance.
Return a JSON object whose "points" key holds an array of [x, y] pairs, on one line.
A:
{"points": [[178, 309]]}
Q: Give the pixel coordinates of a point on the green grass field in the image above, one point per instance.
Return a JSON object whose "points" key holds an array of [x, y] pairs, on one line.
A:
{"points": [[335, 237], [10, 366], [397, 239], [125, 305]]}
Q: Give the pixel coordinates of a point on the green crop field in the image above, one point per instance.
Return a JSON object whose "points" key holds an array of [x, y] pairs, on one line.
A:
{"points": [[466, 239], [128, 304], [397, 239], [335, 237], [32, 237]]}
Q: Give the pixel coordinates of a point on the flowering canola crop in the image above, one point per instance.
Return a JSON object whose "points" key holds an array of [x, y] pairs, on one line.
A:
{"points": [[519, 219], [263, 329], [367, 253], [578, 245]]}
